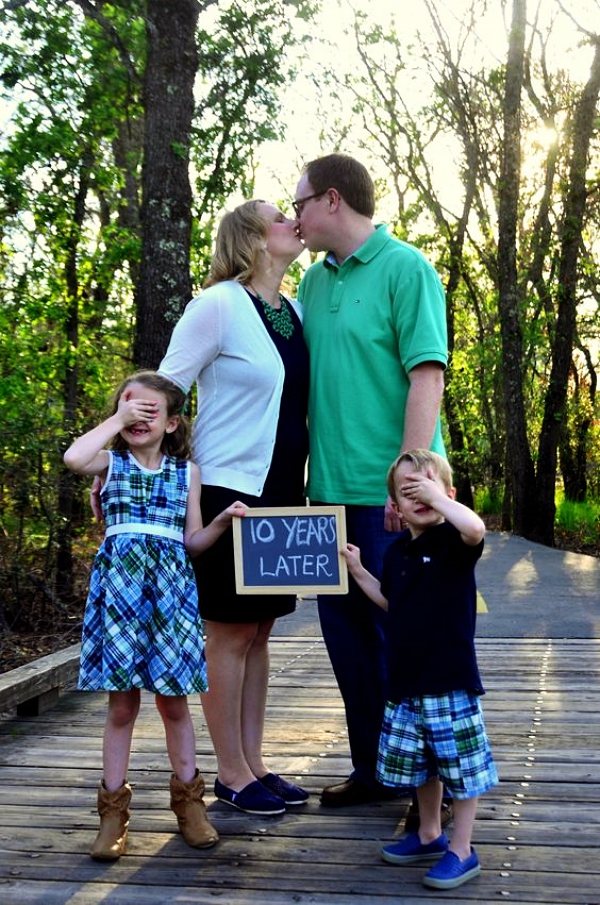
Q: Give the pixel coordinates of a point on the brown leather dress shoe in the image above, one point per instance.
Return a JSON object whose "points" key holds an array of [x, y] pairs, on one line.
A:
{"points": [[352, 792], [411, 821]]}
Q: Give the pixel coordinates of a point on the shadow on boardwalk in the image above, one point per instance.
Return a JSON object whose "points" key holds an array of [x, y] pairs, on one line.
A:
{"points": [[536, 832]]}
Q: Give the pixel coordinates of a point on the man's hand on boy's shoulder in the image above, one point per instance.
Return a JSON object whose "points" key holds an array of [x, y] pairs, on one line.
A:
{"points": [[392, 521]]}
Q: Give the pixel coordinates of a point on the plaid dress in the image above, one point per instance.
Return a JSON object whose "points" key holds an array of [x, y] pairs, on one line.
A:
{"points": [[142, 626]]}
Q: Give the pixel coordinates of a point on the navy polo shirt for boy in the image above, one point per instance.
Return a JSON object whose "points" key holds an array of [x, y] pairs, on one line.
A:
{"points": [[429, 583]]}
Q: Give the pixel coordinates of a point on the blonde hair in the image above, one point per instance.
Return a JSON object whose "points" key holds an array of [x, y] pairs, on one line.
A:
{"points": [[177, 443], [240, 241], [421, 460]]}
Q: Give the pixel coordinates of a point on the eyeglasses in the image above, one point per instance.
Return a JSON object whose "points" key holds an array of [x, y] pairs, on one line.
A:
{"points": [[299, 204]]}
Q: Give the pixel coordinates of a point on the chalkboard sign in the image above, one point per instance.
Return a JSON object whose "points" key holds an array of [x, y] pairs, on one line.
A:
{"points": [[289, 550]]}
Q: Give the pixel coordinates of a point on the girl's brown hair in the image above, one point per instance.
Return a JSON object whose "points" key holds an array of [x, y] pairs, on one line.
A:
{"points": [[176, 444]]}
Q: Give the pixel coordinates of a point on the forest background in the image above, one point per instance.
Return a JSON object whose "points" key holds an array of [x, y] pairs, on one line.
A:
{"points": [[127, 128]]}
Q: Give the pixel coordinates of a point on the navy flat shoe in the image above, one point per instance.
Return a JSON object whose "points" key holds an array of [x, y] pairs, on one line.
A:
{"points": [[290, 793], [252, 799]]}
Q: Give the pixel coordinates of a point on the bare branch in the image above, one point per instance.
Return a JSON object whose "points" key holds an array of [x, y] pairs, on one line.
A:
{"points": [[594, 37]]}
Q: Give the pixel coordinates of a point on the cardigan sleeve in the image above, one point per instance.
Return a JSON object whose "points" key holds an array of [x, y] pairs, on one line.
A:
{"points": [[195, 341]]}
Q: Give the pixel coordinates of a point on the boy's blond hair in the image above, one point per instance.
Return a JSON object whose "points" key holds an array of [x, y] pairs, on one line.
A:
{"points": [[421, 460]]}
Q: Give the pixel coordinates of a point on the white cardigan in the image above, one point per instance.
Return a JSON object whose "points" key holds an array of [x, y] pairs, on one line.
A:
{"points": [[222, 344]]}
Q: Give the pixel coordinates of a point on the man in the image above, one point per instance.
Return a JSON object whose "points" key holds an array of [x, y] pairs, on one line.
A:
{"points": [[375, 326]]}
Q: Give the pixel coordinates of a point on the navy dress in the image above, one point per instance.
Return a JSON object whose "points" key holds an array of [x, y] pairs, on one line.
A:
{"points": [[284, 486]]}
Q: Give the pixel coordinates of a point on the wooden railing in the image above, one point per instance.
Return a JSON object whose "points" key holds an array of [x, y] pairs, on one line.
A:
{"points": [[35, 687]]}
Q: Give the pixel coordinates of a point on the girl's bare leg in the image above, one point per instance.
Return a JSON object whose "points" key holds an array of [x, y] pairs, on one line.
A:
{"points": [[123, 708], [179, 734]]}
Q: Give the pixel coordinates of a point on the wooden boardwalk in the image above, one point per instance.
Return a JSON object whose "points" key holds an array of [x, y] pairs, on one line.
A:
{"points": [[537, 834]]}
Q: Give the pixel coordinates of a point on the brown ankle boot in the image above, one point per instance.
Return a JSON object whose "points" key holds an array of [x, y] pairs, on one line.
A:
{"points": [[113, 808], [187, 804]]}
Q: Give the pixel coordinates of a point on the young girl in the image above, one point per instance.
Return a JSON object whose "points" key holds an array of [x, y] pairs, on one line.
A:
{"points": [[142, 626]]}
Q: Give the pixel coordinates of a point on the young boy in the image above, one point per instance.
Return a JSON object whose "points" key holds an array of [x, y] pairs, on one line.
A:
{"points": [[433, 730]]}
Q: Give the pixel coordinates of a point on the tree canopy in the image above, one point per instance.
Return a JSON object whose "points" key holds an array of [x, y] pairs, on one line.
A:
{"points": [[128, 127]]}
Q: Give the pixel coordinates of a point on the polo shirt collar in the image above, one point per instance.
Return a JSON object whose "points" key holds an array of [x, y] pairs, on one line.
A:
{"points": [[366, 251]]}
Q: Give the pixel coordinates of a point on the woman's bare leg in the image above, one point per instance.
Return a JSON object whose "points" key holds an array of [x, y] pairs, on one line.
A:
{"points": [[227, 647], [254, 699]]}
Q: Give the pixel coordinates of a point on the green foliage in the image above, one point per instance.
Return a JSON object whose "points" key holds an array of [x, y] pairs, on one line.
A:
{"points": [[579, 522], [66, 306], [442, 158], [242, 64], [580, 519], [487, 502], [71, 156], [70, 171]]}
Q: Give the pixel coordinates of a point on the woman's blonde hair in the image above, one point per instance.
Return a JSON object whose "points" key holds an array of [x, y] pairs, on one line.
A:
{"points": [[241, 239], [421, 460], [177, 443]]}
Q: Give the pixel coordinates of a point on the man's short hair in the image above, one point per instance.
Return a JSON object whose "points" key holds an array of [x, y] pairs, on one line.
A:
{"points": [[349, 177]]}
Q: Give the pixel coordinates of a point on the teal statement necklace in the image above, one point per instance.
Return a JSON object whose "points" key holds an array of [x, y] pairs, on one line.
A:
{"points": [[279, 318]]}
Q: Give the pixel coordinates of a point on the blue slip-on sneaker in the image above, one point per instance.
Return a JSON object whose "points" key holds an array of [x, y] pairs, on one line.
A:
{"points": [[290, 793], [252, 799], [411, 849], [451, 872]]}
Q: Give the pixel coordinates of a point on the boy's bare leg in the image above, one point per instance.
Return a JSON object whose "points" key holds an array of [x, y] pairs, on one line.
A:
{"points": [[464, 818], [429, 797]]}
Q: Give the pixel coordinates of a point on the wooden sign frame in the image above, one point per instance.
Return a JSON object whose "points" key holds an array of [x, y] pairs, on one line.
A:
{"points": [[309, 545]]}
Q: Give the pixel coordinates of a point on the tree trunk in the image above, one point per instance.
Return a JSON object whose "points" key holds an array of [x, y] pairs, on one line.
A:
{"points": [[458, 443], [66, 485], [573, 460], [574, 440], [518, 451], [562, 347], [128, 151], [164, 285]]}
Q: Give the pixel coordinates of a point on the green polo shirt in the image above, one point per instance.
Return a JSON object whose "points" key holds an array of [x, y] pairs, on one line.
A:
{"points": [[367, 323]]}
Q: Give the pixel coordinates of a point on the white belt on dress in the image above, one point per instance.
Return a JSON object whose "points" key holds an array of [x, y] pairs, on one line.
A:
{"points": [[141, 528]]}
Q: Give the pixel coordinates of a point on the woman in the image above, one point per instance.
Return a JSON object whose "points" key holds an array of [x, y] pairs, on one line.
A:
{"points": [[241, 341]]}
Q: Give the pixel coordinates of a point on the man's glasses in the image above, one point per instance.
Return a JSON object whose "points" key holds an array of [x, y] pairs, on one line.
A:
{"points": [[299, 204]]}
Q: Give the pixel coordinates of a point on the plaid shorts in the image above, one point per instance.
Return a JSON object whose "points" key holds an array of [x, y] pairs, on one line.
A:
{"points": [[437, 736]]}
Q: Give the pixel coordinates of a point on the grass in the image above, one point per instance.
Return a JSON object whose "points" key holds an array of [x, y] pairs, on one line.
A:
{"points": [[487, 503], [577, 525], [582, 519]]}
